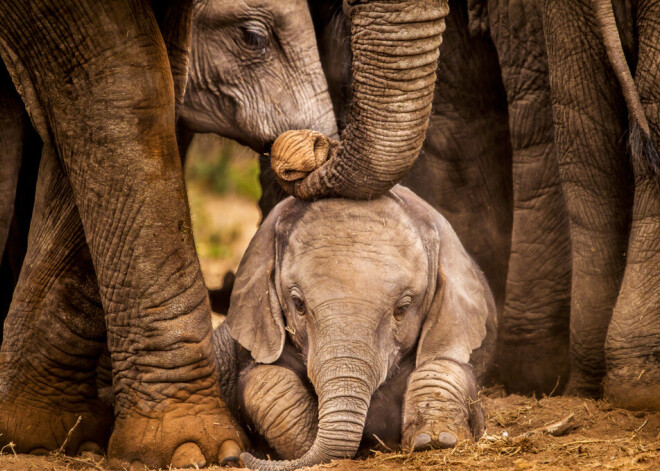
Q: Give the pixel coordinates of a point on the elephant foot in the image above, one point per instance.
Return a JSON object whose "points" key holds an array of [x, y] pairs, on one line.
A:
{"points": [[33, 424], [581, 386], [183, 435], [441, 407], [632, 347], [634, 388], [632, 351]]}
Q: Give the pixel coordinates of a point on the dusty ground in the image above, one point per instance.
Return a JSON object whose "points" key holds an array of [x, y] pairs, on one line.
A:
{"points": [[601, 437]]}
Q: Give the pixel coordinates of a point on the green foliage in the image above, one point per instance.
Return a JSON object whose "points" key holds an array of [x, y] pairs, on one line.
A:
{"points": [[223, 167]]}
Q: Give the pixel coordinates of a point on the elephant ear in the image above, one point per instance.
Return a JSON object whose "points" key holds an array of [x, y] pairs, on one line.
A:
{"points": [[461, 313], [255, 316]]}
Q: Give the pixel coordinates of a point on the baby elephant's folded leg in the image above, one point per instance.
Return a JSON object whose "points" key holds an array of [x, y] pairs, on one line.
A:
{"points": [[281, 407], [440, 406]]}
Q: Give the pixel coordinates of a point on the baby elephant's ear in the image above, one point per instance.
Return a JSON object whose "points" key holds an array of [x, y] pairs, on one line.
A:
{"points": [[462, 311], [255, 316]]}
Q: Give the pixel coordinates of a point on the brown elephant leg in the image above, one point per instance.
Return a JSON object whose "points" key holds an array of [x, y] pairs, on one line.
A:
{"points": [[633, 338], [98, 83], [590, 121], [55, 332], [283, 410], [440, 406], [532, 351]]}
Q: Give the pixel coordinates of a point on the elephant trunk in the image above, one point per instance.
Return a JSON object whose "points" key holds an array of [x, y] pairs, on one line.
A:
{"points": [[345, 384], [395, 50]]}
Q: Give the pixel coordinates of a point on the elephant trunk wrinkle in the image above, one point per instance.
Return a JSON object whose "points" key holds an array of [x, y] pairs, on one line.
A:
{"points": [[344, 383], [395, 49]]}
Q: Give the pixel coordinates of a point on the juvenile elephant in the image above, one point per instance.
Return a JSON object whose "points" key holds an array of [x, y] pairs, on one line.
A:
{"points": [[355, 319]]}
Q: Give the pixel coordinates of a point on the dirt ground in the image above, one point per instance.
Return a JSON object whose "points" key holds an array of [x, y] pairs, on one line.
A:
{"points": [[598, 436]]}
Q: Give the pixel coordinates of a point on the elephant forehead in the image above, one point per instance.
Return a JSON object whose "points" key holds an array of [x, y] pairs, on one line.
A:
{"points": [[231, 9], [369, 241]]}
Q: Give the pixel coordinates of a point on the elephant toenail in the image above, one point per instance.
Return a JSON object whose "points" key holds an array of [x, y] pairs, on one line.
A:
{"points": [[422, 441], [39, 452], [91, 447], [137, 466], [229, 453], [446, 440], [188, 455]]}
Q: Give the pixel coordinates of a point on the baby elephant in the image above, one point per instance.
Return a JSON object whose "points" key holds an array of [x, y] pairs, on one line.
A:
{"points": [[352, 320]]}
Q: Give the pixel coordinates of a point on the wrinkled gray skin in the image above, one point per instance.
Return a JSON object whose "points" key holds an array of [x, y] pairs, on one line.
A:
{"points": [[585, 189], [491, 171], [490, 167], [610, 174], [255, 72], [238, 87], [353, 319], [538, 154], [110, 268], [582, 102]]}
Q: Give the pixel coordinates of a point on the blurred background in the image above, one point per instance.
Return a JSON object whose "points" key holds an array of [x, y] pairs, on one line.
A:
{"points": [[222, 179]]}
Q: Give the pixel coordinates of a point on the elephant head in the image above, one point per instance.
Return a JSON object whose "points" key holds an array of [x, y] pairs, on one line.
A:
{"points": [[394, 44], [357, 285], [255, 72]]}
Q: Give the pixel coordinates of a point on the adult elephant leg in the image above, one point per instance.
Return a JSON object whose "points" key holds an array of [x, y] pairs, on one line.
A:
{"points": [[533, 339], [55, 332], [633, 339], [98, 82], [590, 120], [464, 170]]}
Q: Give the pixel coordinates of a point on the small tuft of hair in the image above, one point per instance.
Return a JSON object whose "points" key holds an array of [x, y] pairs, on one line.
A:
{"points": [[644, 155]]}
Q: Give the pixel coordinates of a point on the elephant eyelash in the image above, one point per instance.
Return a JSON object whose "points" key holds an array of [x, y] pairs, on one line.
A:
{"points": [[298, 303], [255, 36], [401, 308], [399, 312]]}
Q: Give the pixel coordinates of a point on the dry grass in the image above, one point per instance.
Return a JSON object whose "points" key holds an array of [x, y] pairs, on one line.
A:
{"points": [[519, 437], [552, 433]]}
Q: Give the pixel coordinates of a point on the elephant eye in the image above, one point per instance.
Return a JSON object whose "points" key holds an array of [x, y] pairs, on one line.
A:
{"points": [[299, 304], [401, 308], [255, 36]]}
